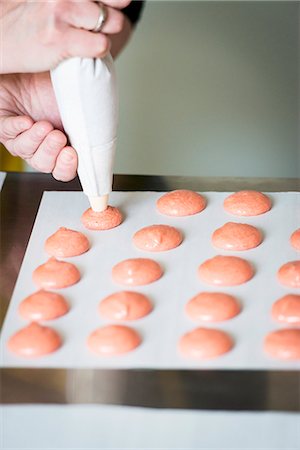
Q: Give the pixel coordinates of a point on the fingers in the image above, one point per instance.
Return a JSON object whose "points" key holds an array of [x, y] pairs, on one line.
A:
{"points": [[85, 15], [52, 155], [26, 143], [41, 146], [82, 16], [11, 126], [79, 14], [114, 21], [44, 159], [85, 44], [66, 165]]}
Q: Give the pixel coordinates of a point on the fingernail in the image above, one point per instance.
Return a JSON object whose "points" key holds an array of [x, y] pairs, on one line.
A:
{"points": [[67, 156]]}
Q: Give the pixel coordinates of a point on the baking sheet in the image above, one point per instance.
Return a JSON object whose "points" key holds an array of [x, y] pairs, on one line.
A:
{"points": [[164, 326]]}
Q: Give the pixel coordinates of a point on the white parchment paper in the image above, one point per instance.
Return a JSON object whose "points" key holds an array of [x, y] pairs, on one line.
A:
{"points": [[162, 329], [2, 179]]}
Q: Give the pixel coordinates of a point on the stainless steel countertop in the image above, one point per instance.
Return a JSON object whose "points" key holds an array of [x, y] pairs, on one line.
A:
{"points": [[199, 389]]}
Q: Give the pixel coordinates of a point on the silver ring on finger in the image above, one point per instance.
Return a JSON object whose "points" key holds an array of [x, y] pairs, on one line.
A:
{"points": [[101, 18]]}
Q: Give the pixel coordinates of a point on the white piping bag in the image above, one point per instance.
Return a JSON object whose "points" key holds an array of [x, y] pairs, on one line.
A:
{"points": [[86, 95]]}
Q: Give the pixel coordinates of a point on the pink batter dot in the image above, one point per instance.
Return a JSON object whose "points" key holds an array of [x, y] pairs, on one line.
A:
{"points": [[212, 307], [125, 305], [113, 340], [295, 240], [225, 271], [204, 343], [34, 340], [55, 274], [283, 344], [289, 274], [105, 220], [236, 237], [247, 203], [136, 271], [181, 203], [287, 309], [157, 238], [65, 243], [43, 305]]}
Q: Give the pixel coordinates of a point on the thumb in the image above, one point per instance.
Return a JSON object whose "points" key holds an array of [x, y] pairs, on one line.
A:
{"points": [[11, 126]]}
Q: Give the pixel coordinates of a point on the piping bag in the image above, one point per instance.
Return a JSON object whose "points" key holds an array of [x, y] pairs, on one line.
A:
{"points": [[86, 94]]}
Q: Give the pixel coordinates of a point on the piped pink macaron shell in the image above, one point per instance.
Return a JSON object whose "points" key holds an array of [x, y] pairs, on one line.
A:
{"points": [[105, 220], [54, 274], [283, 344], [225, 271], [113, 340], [287, 309], [43, 305], [212, 307], [157, 238], [125, 305], [204, 343], [289, 274], [236, 237], [247, 203], [295, 240], [136, 271], [34, 341], [65, 243], [181, 203]]}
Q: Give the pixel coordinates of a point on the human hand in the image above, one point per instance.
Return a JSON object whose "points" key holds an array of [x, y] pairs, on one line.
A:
{"points": [[26, 100], [38, 35]]}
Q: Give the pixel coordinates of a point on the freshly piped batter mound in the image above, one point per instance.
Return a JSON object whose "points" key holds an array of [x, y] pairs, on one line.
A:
{"points": [[295, 240], [113, 340], [287, 309], [283, 344], [125, 305], [212, 307], [136, 271], [56, 274], [247, 203], [105, 220], [34, 340], [66, 243], [236, 237], [181, 203], [289, 274], [225, 271], [43, 305], [205, 343], [157, 238]]}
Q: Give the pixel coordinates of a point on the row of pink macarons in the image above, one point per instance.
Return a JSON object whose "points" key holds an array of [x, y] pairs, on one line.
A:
{"points": [[128, 305], [158, 238], [182, 203]]}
